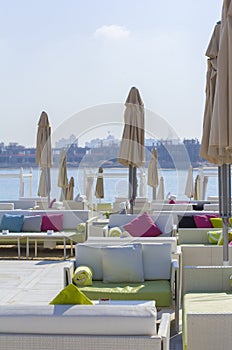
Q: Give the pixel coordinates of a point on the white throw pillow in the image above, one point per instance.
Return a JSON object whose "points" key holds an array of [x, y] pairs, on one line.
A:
{"points": [[122, 263], [90, 256], [157, 259]]}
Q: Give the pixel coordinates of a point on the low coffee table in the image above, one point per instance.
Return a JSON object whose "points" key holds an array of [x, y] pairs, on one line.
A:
{"points": [[38, 236]]}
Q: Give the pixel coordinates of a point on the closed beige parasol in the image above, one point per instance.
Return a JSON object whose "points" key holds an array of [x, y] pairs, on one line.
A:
{"points": [[219, 150], [44, 155], [70, 189], [152, 174], [99, 190], [62, 177], [131, 152]]}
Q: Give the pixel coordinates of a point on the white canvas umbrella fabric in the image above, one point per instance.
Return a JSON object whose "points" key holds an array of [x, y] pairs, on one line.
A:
{"points": [[131, 152], [62, 177], [197, 188], [160, 192], [219, 150], [152, 172], [44, 155], [189, 189], [206, 151]]}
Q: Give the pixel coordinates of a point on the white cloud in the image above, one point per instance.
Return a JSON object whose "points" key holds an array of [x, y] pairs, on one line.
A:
{"points": [[112, 32]]}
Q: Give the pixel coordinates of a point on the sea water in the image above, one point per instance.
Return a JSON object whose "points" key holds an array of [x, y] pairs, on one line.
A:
{"points": [[114, 186]]}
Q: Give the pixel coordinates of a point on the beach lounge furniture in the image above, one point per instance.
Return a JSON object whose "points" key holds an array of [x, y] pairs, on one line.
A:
{"points": [[29, 322], [78, 327], [207, 308], [28, 224], [139, 271]]}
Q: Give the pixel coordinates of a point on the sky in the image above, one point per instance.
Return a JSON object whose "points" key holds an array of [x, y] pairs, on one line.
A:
{"points": [[78, 59]]}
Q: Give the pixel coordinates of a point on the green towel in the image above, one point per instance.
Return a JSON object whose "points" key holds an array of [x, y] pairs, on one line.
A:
{"points": [[82, 276], [115, 232], [71, 295]]}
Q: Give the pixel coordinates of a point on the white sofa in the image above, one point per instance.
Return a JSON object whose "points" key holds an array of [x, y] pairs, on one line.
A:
{"points": [[71, 219], [158, 273], [164, 221], [207, 308], [92, 327]]}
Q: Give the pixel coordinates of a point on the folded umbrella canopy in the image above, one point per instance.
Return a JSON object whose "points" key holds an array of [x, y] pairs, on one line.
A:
{"points": [[131, 152], [189, 188], [70, 189], [62, 177], [44, 155], [99, 190], [160, 193], [152, 174], [217, 126]]}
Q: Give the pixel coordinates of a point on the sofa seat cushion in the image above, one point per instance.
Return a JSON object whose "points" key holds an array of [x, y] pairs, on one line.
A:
{"points": [[77, 237], [79, 319], [159, 291], [204, 303]]}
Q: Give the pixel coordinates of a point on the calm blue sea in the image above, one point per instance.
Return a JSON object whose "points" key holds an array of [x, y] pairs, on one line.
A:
{"points": [[114, 186]]}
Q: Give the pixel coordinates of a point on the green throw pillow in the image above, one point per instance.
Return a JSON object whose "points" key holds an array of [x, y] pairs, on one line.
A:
{"points": [[214, 236], [221, 239], [81, 227], [71, 295], [216, 222]]}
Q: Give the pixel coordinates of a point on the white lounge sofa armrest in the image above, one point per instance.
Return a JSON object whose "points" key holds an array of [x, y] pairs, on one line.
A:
{"points": [[164, 330], [174, 230], [175, 287], [105, 230], [68, 272], [174, 270], [89, 222]]}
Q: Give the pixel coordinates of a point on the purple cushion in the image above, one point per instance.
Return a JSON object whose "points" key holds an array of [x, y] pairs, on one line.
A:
{"points": [[202, 221], [142, 226], [52, 222]]}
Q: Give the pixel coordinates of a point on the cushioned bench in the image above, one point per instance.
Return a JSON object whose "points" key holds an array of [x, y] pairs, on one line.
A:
{"points": [[207, 308], [68, 219], [92, 327], [140, 271]]}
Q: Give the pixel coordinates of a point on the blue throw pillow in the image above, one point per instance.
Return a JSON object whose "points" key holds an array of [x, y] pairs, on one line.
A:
{"points": [[13, 223]]}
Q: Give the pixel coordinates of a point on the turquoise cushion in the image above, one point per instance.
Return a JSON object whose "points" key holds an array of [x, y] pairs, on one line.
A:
{"points": [[13, 223], [158, 290]]}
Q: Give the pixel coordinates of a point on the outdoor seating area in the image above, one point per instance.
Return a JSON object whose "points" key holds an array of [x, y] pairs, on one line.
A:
{"points": [[135, 271], [28, 321], [25, 227]]}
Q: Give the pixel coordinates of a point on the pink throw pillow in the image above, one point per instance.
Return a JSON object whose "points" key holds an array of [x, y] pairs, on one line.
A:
{"points": [[142, 226], [52, 222], [202, 221]]}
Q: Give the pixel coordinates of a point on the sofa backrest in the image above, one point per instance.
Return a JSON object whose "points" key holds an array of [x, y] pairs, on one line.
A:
{"points": [[131, 240], [206, 279], [6, 206], [71, 218], [90, 320], [162, 220], [156, 259]]}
